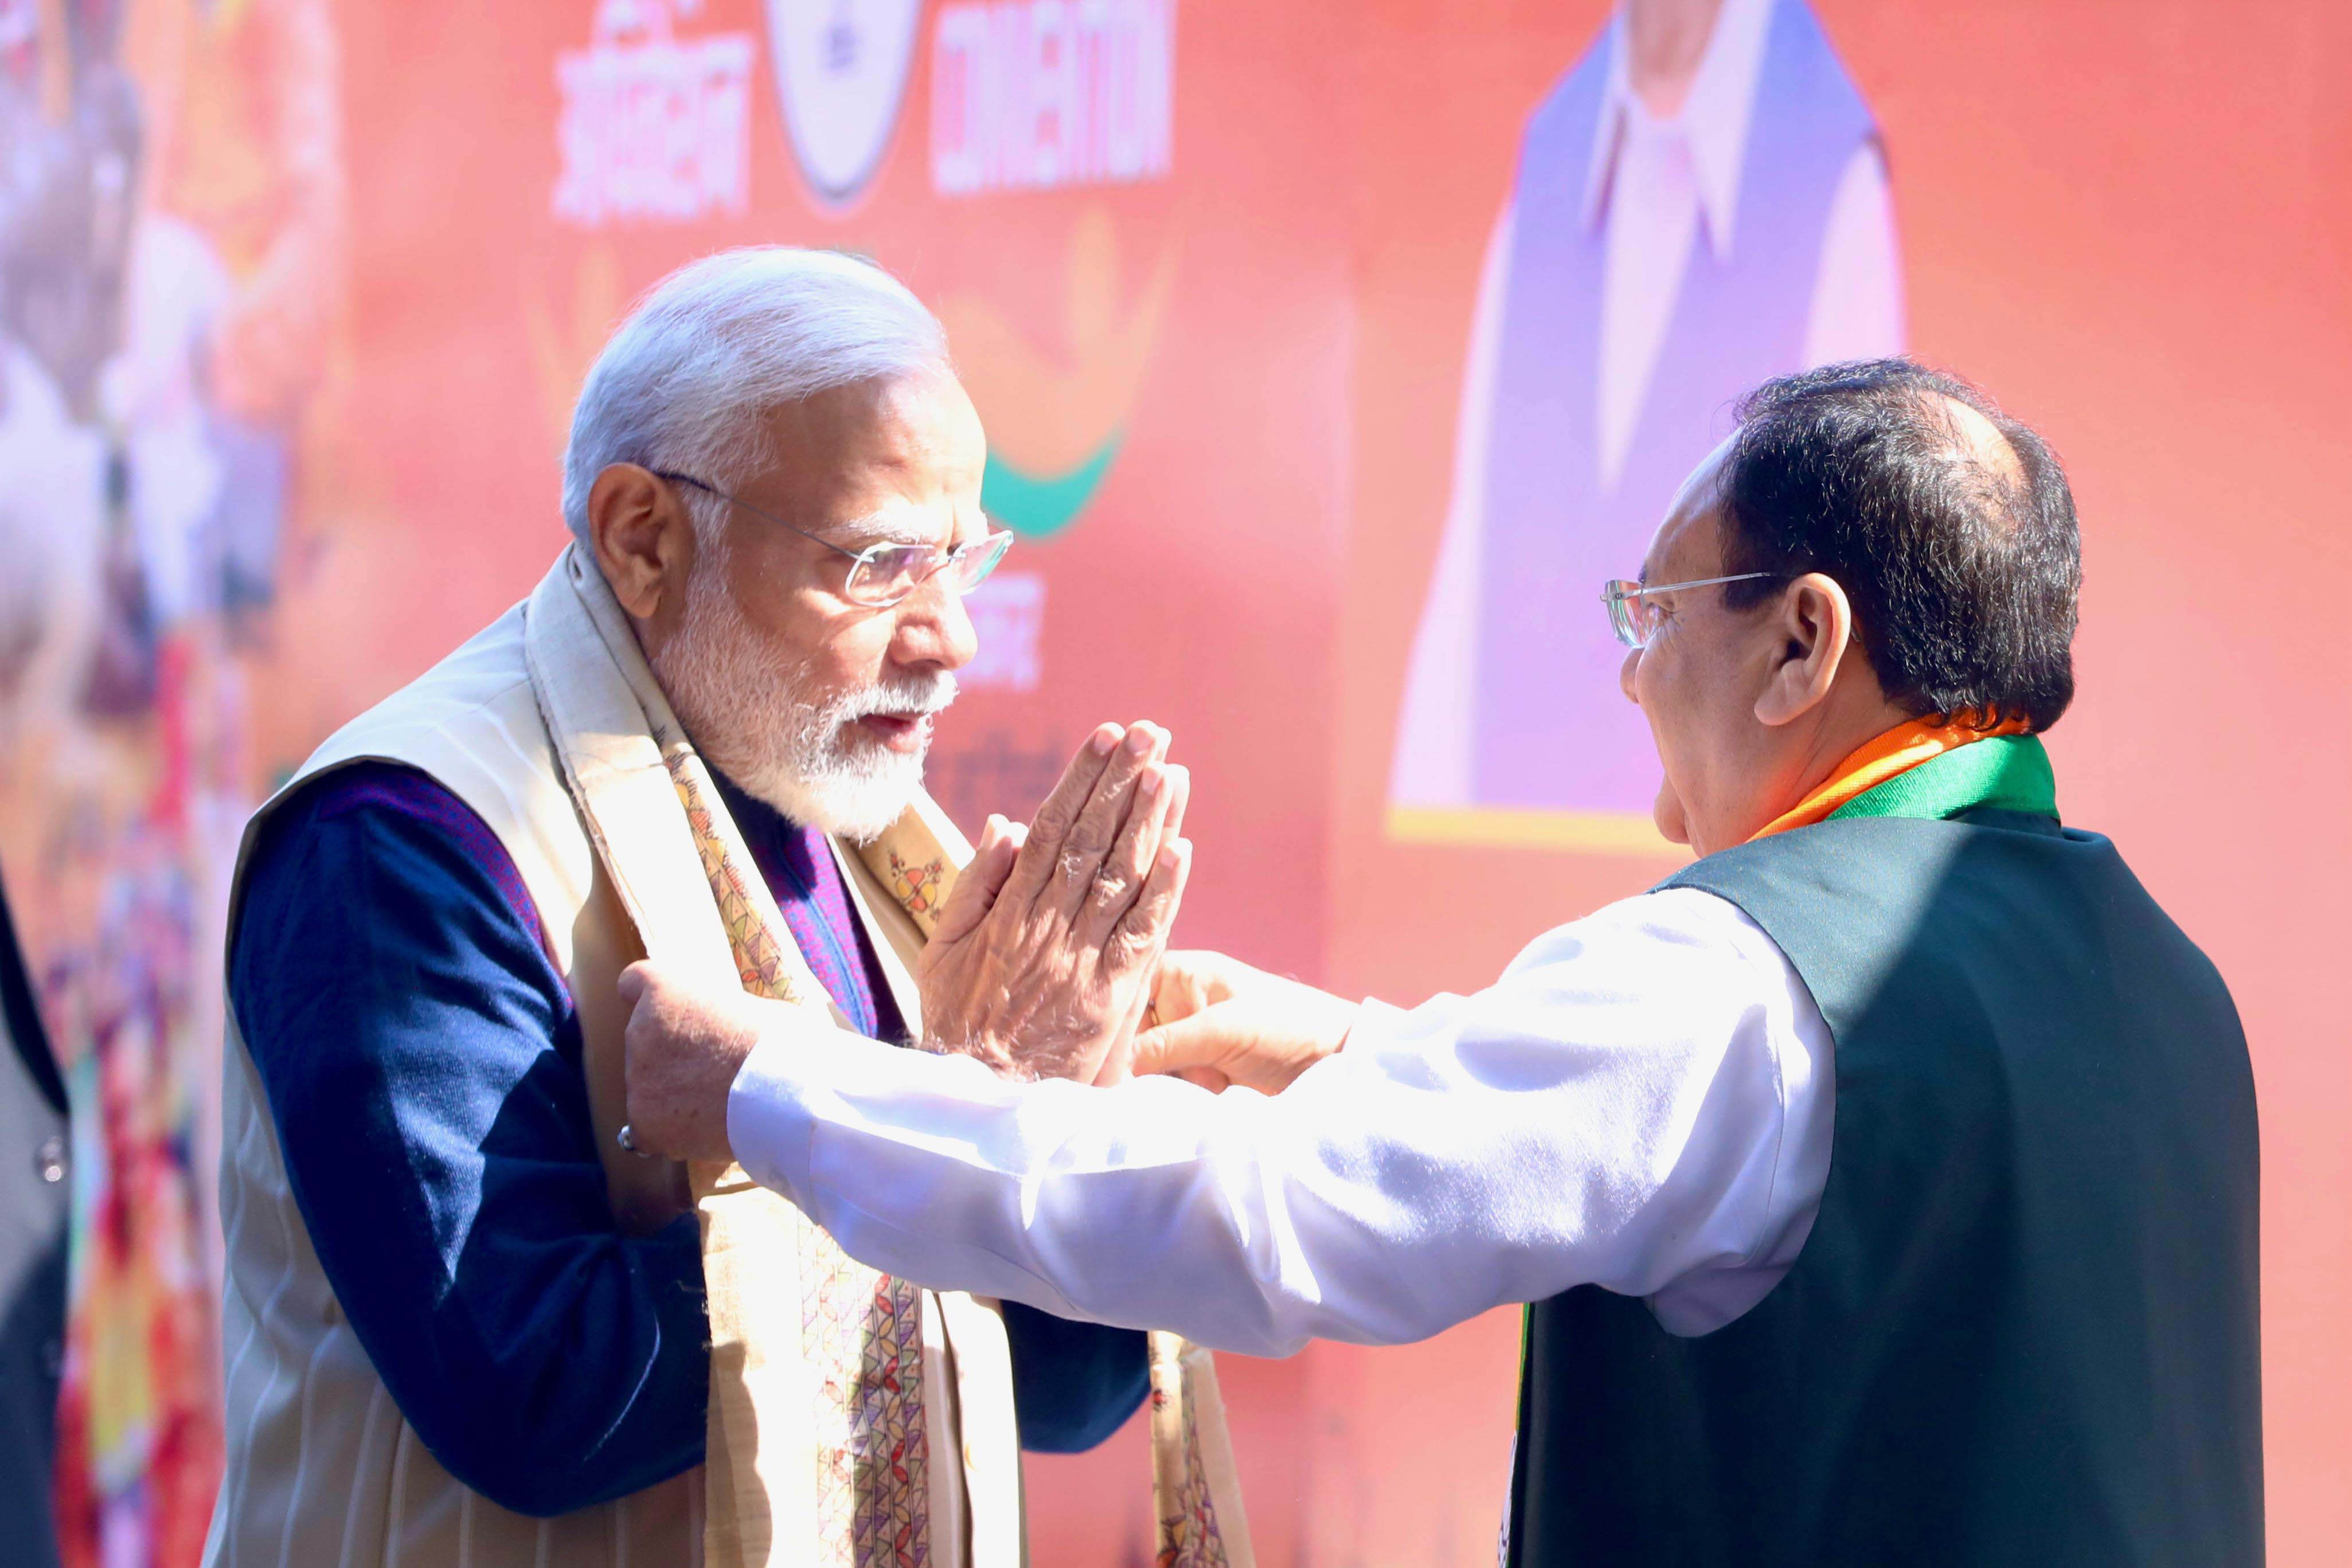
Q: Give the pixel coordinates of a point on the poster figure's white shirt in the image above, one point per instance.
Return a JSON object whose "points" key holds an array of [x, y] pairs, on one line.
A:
{"points": [[1643, 1102], [1659, 186]]}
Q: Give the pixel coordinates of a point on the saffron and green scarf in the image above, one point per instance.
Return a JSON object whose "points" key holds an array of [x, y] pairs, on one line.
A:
{"points": [[1926, 768]]}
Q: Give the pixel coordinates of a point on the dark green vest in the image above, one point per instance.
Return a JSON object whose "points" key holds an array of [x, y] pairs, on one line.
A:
{"points": [[2023, 1330]]}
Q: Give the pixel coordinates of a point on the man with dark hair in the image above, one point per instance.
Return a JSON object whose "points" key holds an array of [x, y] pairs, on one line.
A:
{"points": [[1881, 1185], [1956, 532]]}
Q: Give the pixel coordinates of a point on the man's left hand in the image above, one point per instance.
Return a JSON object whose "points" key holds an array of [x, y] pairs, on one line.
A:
{"points": [[1223, 1024], [685, 1044]]}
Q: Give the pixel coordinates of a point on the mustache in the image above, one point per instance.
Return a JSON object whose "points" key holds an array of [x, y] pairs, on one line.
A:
{"points": [[922, 694]]}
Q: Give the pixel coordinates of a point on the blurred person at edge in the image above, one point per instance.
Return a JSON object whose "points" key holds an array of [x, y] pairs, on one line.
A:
{"points": [[34, 1202], [1881, 1185], [465, 1319]]}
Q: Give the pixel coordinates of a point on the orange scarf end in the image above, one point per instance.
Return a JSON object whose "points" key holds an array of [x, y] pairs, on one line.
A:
{"points": [[1898, 751]]}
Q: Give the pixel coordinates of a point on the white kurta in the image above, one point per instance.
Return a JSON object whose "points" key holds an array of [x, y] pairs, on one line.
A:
{"points": [[1642, 1102]]}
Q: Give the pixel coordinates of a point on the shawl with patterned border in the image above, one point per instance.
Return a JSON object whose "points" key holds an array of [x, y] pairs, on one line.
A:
{"points": [[847, 1394]]}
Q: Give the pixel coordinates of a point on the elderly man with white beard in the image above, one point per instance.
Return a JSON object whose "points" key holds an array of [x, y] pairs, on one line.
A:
{"points": [[467, 1321]]}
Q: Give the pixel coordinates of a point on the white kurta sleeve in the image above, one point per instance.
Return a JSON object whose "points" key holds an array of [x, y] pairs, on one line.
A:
{"points": [[1615, 1110]]}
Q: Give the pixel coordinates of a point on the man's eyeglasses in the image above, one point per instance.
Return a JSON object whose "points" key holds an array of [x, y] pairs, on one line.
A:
{"points": [[1635, 619], [880, 575]]}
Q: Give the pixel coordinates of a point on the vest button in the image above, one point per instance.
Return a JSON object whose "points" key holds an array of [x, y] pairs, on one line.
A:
{"points": [[49, 1159]]}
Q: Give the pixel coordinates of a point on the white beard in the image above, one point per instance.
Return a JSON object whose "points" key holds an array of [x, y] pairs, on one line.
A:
{"points": [[742, 705]]}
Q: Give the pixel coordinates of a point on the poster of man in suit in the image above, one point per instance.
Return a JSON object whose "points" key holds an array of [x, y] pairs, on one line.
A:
{"points": [[1701, 203]]}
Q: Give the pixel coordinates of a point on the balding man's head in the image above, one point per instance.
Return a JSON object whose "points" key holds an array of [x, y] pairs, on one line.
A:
{"points": [[1950, 526]]}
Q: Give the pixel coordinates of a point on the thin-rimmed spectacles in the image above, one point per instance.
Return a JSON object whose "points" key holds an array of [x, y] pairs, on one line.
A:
{"points": [[882, 574], [1635, 619]]}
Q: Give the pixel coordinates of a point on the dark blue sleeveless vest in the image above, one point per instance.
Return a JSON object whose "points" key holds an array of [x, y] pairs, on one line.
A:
{"points": [[1553, 532], [2023, 1330]]}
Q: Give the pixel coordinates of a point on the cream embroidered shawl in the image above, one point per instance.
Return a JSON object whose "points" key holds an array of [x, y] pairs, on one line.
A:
{"points": [[826, 1391]]}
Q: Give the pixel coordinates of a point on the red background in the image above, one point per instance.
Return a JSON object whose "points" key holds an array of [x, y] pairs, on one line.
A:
{"points": [[2126, 221]]}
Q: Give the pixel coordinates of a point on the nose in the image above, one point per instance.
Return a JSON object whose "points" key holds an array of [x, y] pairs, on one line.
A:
{"points": [[934, 630], [1625, 672]]}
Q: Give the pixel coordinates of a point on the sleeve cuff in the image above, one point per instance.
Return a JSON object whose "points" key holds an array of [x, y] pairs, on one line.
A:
{"points": [[768, 1125]]}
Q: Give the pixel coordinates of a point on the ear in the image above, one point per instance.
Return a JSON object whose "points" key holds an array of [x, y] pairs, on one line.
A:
{"points": [[643, 539], [1813, 629]]}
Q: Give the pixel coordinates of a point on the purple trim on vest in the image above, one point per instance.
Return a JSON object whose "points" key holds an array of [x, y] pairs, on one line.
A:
{"points": [[403, 791], [797, 865], [794, 861], [1552, 728]]}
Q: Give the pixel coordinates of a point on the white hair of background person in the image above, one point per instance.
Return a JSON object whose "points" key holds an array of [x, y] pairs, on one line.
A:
{"points": [[721, 344]]}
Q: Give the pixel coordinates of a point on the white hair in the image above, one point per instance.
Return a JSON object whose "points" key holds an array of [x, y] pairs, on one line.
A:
{"points": [[718, 344]]}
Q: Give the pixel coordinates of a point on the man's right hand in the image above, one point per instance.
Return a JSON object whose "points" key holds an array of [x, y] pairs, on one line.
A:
{"points": [[1223, 1023], [1043, 961]]}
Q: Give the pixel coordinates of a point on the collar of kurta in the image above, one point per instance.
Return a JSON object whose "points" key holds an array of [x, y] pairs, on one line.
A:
{"points": [[1712, 122], [1925, 769]]}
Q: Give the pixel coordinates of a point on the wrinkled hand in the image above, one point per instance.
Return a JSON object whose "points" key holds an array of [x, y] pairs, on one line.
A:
{"points": [[1223, 1023], [1042, 959], [685, 1044]]}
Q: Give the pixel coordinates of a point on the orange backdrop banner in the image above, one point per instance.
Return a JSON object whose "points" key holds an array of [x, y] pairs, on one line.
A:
{"points": [[1328, 362]]}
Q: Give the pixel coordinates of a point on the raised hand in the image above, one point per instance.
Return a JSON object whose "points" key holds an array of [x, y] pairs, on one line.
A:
{"points": [[1042, 959], [1223, 1023]]}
